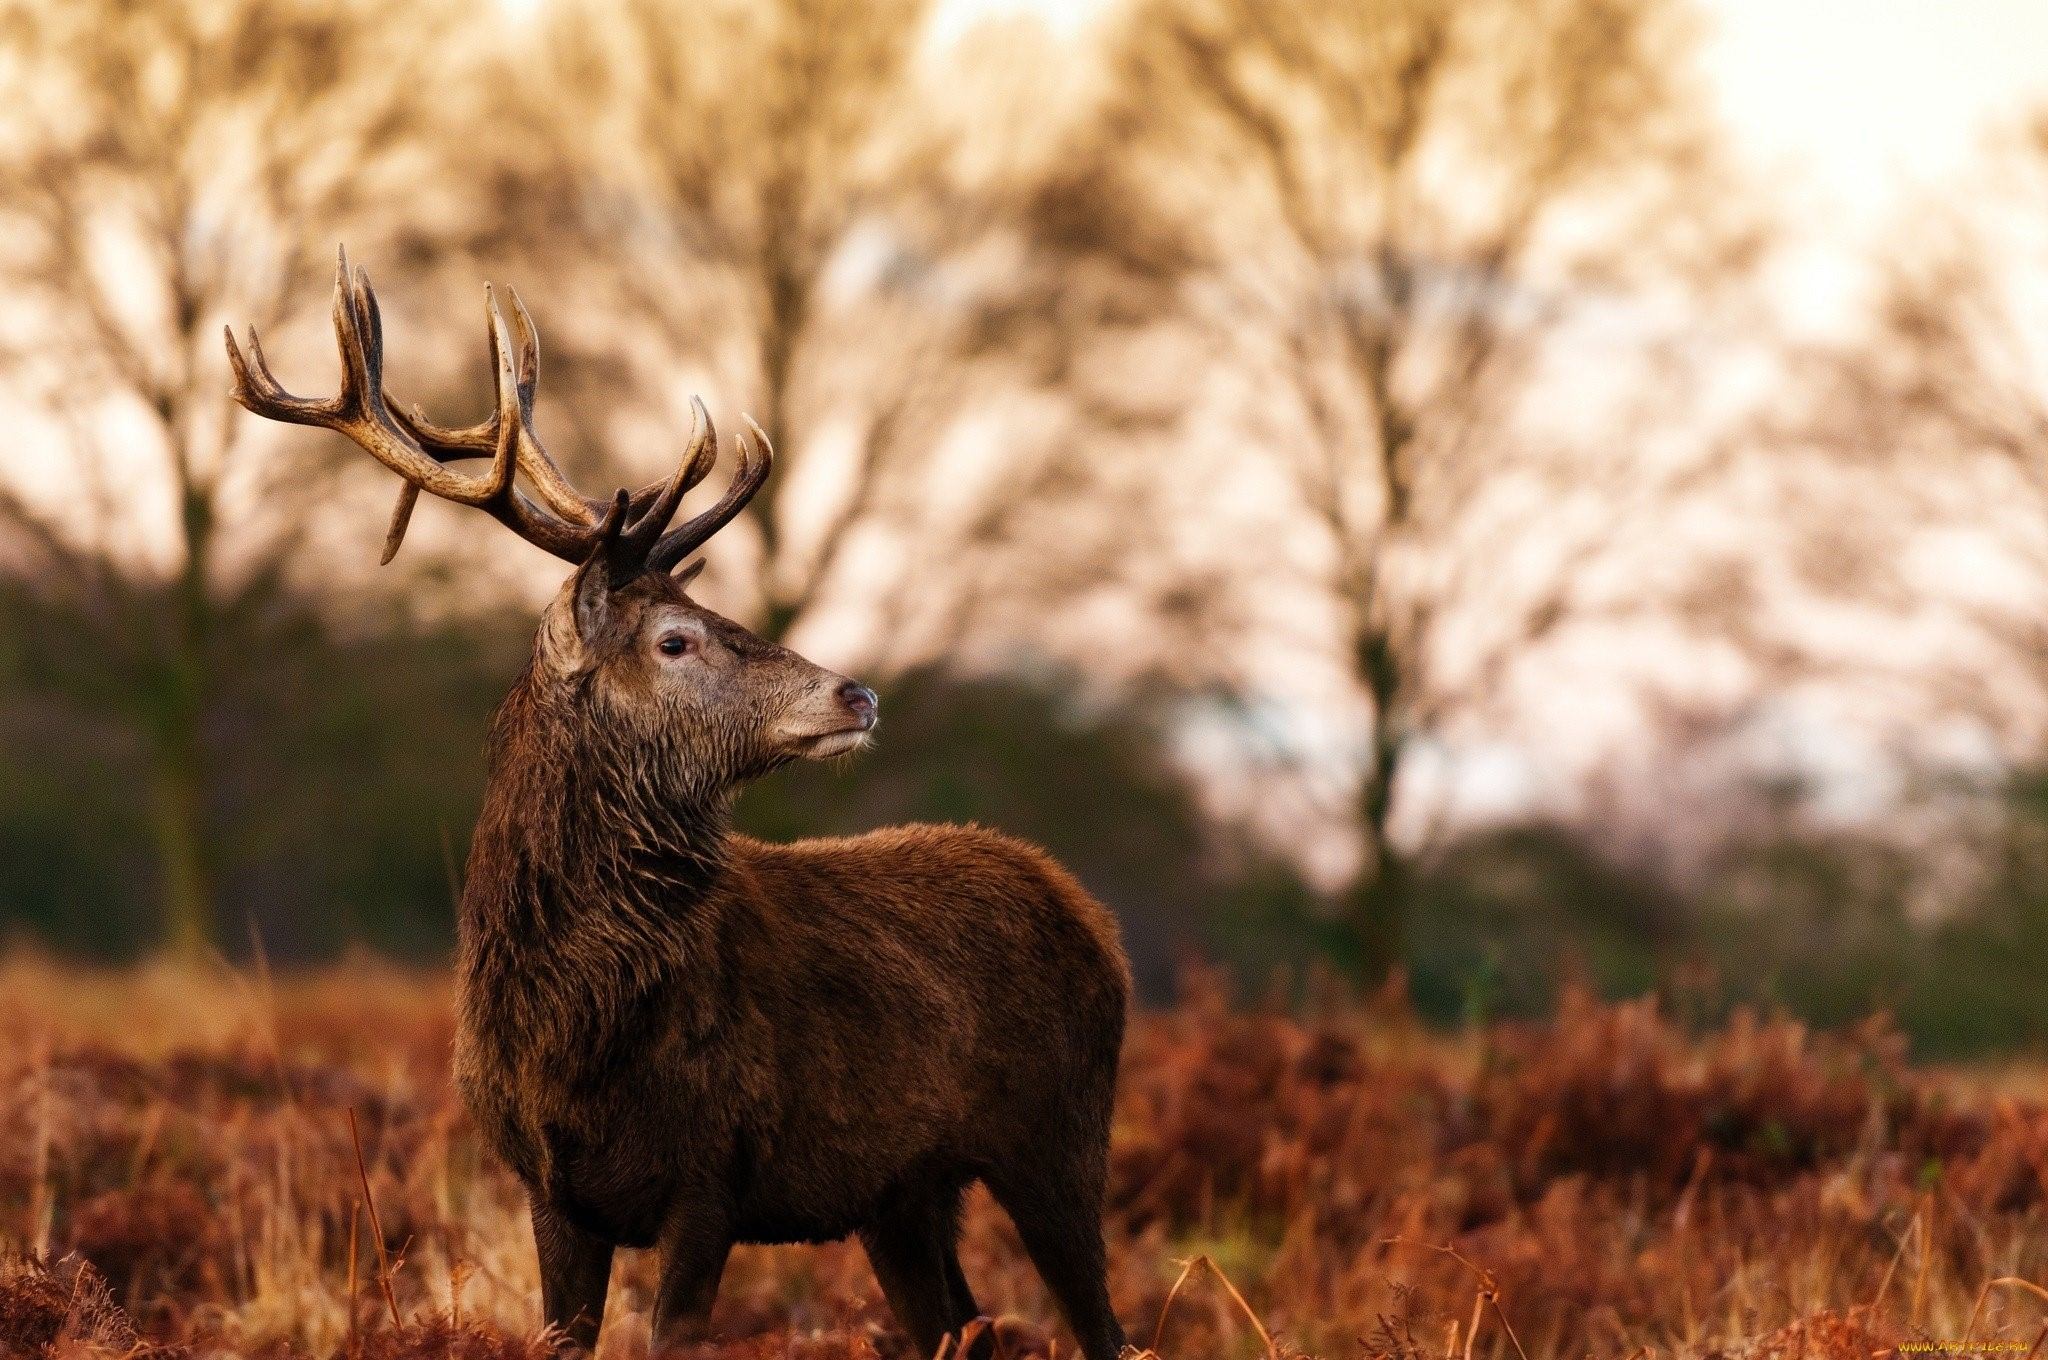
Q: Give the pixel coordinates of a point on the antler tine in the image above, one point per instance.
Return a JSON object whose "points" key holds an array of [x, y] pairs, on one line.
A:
{"points": [[693, 533], [517, 373], [401, 520], [634, 544], [254, 385], [614, 522], [359, 325], [556, 491], [481, 439], [529, 350]]}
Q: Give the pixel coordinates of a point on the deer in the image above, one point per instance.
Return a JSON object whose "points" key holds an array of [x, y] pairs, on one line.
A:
{"points": [[681, 1038]]}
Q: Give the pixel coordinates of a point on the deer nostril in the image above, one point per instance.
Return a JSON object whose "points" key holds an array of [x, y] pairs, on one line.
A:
{"points": [[860, 700]]}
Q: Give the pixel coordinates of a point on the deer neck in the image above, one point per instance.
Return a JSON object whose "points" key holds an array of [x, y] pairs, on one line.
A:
{"points": [[591, 891]]}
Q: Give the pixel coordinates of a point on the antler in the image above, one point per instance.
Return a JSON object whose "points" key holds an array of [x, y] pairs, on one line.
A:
{"points": [[479, 440], [628, 528], [757, 457]]}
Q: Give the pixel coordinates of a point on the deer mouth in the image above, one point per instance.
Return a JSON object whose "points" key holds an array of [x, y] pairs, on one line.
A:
{"points": [[839, 742]]}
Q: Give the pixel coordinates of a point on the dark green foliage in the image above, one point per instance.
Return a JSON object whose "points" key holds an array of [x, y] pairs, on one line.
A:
{"points": [[344, 761], [1508, 916], [1829, 928], [74, 865], [1837, 928]]}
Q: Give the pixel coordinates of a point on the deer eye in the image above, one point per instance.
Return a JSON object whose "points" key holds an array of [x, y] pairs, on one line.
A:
{"points": [[677, 644]]}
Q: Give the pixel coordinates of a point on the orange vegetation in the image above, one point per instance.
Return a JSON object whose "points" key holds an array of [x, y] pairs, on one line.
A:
{"points": [[178, 1174]]}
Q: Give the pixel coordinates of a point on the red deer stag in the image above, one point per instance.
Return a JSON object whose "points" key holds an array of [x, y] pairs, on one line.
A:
{"points": [[683, 1038]]}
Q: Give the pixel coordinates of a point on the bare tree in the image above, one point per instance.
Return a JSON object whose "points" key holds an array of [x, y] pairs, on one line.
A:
{"points": [[1939, 408], [166, 166], [760, 197], [1399, 210], [1952, 350]]}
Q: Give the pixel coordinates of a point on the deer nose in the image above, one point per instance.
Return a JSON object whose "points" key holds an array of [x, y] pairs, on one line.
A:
{"points": [[861, 702]]}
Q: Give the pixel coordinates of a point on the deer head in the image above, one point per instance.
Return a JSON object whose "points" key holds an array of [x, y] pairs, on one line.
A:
{"points": [[688, 696]]}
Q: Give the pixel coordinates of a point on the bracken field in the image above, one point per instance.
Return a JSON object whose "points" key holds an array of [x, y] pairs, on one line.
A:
{"points": [[179, 1175]]}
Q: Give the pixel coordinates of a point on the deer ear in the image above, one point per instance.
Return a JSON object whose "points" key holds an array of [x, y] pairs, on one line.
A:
{"points": [[590, 589], [686, 574], [590, 599], [579, 617]]}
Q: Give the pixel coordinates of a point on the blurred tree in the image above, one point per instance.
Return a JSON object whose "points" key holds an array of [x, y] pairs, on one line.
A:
{"points": [[1954, 360], [762, 193], [1401, 209], [1935, 417], [167, 166]]}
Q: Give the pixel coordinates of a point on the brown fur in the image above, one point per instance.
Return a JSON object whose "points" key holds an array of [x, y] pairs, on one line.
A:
{"points": [[684, 1038]]}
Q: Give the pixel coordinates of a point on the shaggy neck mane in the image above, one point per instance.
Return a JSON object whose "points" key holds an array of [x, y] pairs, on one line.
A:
{"points": [[586, 894]]}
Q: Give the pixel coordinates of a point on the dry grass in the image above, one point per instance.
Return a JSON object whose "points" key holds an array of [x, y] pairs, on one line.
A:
{"points": [[178, 1173]]}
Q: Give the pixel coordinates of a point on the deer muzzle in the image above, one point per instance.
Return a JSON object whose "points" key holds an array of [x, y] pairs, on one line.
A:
{"points": [[835, 717]]}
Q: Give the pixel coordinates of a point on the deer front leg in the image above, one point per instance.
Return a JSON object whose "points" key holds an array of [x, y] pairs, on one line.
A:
{"points": [[693, 1250], [575, 1271]]}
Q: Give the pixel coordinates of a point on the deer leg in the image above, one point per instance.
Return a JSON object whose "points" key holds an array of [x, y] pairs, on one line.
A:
{"points": [[693, 1252], [1058, 1213], [910, 1244], [575, 1271], [962, 1297]]}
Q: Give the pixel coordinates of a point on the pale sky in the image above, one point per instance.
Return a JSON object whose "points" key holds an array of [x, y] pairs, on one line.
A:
{"points": [[1855, 100], [1860, 99]]}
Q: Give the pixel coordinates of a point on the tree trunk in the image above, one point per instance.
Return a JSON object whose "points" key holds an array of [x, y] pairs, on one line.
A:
{"points": [[1377, 910], [177, 826], [785, 312], [1377, 905], [178, 814]]}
